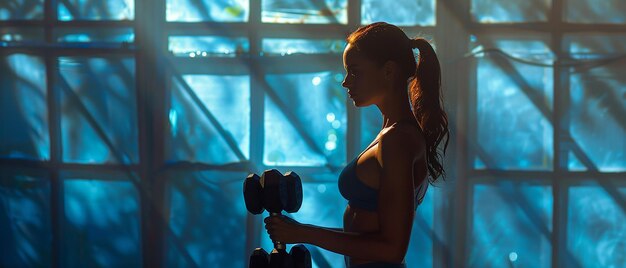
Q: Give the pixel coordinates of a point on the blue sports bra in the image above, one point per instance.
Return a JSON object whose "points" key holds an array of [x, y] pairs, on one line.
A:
{"points": [[362, 196]]}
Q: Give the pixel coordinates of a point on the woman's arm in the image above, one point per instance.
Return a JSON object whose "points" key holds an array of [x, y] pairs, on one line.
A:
{"points": [[369, 246], [333, 229]]}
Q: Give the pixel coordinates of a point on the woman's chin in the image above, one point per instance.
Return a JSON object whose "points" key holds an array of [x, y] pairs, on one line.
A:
{"points": [[359, 103], [356, 101]]}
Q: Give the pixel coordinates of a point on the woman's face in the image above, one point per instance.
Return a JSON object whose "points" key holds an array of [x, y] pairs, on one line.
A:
{"points": [[364, 80]]}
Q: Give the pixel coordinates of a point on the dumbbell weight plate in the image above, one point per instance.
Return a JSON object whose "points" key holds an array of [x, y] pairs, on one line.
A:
{"points": [[300, 256], [279, 258], [294, 192], [259, 259], [253, 194], [274, 191]]}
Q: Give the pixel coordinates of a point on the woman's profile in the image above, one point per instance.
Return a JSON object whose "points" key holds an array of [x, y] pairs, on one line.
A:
{"points": [[387, 181]]}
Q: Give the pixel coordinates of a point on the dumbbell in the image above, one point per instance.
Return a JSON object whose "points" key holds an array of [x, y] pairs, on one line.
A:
{"points": [[275, 199], [275, 192]]}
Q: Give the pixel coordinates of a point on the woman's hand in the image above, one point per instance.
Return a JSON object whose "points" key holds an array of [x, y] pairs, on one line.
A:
{"points": [[284, 229]]}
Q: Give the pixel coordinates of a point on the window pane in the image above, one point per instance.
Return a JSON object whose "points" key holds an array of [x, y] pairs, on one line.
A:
{"points": [[596, 231], [597, 126], [595, 46], [95, 35], [25, 221], [21, 10], [592, 11], [207, 220], [96, 10], [208, 46], [597, 105], [207, 10], [308, 125], [101, 224], [506, 11], [23, 107], [511, 226], [98, 110], [202, 106], [514, 107], [322, 205], [14, 36], [281, 47], [305, 11], [401, 13]]}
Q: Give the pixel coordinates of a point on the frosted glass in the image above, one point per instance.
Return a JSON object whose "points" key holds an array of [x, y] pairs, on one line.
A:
{"points": [[401, 13], [96, 10], [506, 11], [207, 220], [98, 110], [23, 108], [596, 230], [25, 225], [207, 10], [101, 224], [117, 35], [511, 226], [21, 10], [193, 136], [593, 11], [597, 105], [597, 124], [317, 102], [305, 11], [514, 106]]}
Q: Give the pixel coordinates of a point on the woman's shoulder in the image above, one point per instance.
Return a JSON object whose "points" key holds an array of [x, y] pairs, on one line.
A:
{"points": [[402, 136], [405, 131]]}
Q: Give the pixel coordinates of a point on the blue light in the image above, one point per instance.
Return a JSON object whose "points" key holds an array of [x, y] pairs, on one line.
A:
{"points": [[173, 122], [513, 256], [316, 80], [330, 117]]}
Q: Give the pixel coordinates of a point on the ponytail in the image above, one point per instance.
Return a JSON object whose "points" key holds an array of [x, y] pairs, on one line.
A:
{"points": [[427, 101]]}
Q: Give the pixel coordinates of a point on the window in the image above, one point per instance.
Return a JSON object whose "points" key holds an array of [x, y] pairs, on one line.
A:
{"points": [[543, 133], [128, 127]]}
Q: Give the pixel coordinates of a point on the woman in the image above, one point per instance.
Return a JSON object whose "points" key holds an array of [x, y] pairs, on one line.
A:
{"points": [[386, 182]]}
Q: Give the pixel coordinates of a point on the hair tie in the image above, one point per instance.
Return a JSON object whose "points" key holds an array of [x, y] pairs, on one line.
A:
{"points": [[413, 43], [418, 43]]}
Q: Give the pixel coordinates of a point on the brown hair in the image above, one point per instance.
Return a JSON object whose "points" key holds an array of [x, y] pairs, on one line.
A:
{"points": [[382, 42]]}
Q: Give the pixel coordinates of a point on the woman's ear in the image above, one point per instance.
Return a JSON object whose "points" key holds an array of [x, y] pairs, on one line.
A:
{"points": [[390, 70]]}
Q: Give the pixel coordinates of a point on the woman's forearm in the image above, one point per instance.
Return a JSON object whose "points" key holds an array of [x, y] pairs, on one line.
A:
{"points": [[368, 246], [332, 228]]}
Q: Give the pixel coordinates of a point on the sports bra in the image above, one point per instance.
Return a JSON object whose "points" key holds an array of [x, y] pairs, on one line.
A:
{"points": [[363, 196]]}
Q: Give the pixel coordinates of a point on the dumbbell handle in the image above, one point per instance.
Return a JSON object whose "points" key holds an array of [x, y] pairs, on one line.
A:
{"points": [[277, 244]]}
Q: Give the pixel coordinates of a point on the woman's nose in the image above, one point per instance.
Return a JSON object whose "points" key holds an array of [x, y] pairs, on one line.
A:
{"points": [[345, 82]]}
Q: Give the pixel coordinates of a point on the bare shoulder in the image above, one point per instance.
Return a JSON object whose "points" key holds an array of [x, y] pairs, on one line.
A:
{"points": [[407, 134], [402, 141]]}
